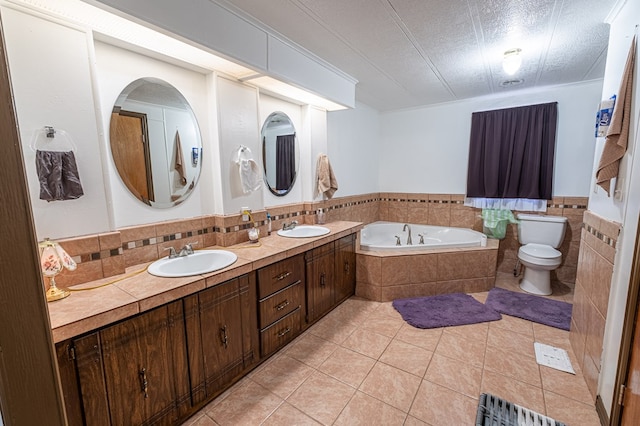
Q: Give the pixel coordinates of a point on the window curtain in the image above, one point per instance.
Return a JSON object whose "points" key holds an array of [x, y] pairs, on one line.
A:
{"points": [[511, 153], [285, 161]]}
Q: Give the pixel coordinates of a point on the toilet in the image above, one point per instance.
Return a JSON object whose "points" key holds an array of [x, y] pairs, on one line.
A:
{"points": [[540, 236]]}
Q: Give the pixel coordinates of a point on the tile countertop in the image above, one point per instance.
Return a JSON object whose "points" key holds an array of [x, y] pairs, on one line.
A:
{"points": [[122, 296]]}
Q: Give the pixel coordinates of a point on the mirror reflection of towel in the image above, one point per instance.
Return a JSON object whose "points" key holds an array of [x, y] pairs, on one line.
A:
{"points": [[249, 175], [179, 161], [326, 183]]}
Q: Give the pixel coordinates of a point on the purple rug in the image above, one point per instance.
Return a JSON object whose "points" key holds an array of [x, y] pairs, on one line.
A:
{"points": [[444, 310], [538, 309]]}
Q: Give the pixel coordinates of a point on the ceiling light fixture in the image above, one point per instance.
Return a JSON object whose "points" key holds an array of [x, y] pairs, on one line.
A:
{"points": [[512, 60]]}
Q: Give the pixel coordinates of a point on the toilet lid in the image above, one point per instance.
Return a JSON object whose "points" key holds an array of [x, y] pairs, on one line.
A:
{"points": [[540, 250]]}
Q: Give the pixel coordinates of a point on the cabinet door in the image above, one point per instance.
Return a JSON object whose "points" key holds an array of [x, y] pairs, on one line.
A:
{"points": [[345, 268], [140, 367], [221, 334], [320, 281]]}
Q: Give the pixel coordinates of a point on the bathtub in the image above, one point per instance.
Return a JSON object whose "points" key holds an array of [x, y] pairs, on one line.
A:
{"points": [[382, 236]]}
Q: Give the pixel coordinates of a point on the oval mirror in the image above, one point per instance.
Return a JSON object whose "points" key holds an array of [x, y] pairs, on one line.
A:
{"points": [[155, 142], [279, 153]]}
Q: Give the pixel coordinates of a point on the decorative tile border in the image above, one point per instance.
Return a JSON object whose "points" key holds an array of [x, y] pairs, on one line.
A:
{"points": [[599, 235]]}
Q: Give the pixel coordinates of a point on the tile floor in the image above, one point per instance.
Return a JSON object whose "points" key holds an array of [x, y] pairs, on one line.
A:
{"points": [[363, 365]]}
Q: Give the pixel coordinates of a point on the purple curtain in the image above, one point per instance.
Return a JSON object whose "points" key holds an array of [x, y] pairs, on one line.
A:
{"points": [[285, 161], [511, 152]]}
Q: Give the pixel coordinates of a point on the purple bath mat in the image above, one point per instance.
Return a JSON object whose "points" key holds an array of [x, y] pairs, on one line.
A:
{"points": [[444, 310], [538, 309]]}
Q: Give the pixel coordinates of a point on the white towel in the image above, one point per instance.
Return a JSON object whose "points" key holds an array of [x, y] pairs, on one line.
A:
{"points": [[250, 177], [326, 182]]}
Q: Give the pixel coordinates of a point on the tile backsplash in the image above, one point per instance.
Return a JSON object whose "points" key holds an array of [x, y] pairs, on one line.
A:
{"points": [[105, 255]]}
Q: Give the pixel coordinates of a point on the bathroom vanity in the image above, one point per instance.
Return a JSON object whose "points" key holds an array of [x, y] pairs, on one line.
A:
{"points": [[164, 362]]}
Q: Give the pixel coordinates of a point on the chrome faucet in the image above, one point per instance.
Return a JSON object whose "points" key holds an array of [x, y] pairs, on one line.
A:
{"points": [[397, 240], [187, 249], [287, 227], [407, 227], [421, 239]]}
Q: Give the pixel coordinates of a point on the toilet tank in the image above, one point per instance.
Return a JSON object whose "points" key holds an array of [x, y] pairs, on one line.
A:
{"points": [[541, 229]]}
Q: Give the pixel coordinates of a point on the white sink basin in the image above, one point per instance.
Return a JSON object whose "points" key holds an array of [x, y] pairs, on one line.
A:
{"points": [[304, 231], [200, 262]]}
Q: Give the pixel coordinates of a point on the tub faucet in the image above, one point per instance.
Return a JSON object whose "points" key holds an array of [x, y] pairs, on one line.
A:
{"points": [[421, 239], [407, 227], [397, 240]]}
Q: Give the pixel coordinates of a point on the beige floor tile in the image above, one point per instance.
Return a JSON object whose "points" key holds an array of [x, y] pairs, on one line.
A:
{"points": [[456, 375], [383, 324], [251, 404], [457, 346], [514, 391], [439, 406], [425, 338], [200, 419], [287, 414], [283, 375], [391, 385], [412, 421], [570, 411], [310, 349], [521, 344], [568, 385], [321, 397], [514, 324], [513, 365], [470, 331], [551, 336], [365, 410], [407, 357], [367, 343], [386, 308], [333, 329], [347, 366]]}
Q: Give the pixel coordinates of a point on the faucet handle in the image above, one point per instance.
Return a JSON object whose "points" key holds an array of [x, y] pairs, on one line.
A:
{"points": [[189, 246], [397, 240], [421, 239], [172, 252]]}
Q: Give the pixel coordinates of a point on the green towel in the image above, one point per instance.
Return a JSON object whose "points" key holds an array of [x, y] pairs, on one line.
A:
{"points": [[495, 222]]}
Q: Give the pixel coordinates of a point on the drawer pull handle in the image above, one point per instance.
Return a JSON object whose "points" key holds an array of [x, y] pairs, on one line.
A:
{"points": [[282, 305], [322, 280], [144, 383], [284, 332], [282, 276], [346, 267], [223, 336]]}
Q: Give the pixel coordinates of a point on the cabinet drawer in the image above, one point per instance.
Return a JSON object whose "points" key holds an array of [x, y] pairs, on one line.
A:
{"points": [[280, 333], [281, 303], [275, 277]]}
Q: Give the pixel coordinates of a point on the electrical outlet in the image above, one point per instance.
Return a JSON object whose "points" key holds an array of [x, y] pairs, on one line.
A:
{"points": [[245, 216]]}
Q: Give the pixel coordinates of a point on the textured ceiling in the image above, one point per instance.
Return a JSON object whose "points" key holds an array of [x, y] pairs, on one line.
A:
{"points": [[407, 53]]}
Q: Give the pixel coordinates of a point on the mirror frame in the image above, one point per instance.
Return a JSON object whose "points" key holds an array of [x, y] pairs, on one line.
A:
{"points": [[265, 125], [128, 120]]}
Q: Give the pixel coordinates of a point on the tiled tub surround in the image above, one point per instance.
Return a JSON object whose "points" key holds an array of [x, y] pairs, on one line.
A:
{"points": [[111, 299], [591, 294], [107, 255], [383, 276]]}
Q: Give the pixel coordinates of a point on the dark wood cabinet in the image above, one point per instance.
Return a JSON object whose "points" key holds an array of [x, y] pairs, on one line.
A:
{"points": [[216, 325], [345, 268], [281, 303], [330, 276], [160, 366]]}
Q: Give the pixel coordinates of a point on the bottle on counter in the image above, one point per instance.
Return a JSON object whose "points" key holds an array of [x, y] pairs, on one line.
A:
{"points": [[268, 224], [320, 217]]}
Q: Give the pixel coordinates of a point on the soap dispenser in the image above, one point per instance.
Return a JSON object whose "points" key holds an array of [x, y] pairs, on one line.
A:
{"points": [[268, 224], [320, 217]]}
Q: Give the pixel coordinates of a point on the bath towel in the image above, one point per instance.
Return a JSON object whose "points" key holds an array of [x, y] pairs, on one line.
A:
{"points": [[250, 177], [326, 182], [58, 176], [179, 160], [615, 144]]}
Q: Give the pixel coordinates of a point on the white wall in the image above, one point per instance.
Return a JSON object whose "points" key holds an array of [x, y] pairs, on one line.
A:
{"points": [[354, 149], [625, 209], [427, 149], [51, 79]]}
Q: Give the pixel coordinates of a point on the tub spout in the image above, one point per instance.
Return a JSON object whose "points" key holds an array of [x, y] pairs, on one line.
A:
{"points": [[408, 228]]}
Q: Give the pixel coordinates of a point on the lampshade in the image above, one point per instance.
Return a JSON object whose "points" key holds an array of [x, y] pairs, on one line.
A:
{"points": [[53, 259], [511, 61]]}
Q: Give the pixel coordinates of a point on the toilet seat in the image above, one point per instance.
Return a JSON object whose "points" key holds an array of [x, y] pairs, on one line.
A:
{"points": [[540, 254]]}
